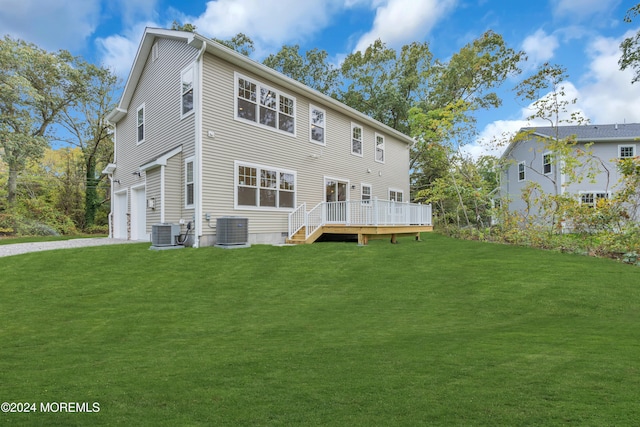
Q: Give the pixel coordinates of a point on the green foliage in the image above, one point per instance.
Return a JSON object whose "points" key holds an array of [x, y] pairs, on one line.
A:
{"points": [[630, 47]]}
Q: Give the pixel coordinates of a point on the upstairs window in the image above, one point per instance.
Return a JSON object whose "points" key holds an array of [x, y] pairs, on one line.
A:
{"points": [[317, 119], [187, 91], [521, 172], [264, 106], [140, 115], [626, 151], [356, 140], [379, 148], [546, 163]]}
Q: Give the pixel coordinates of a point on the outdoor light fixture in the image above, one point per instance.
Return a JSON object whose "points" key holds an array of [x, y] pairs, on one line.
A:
{"points": [[136, 173]]}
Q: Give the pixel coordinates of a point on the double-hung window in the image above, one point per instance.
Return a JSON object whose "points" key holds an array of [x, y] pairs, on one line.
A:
{"points": [[356, 139], [187, 91], [264, 106], [318, 124], [546, 163], [366, 193], [189, 184], [264, 187], [140, 121], [521, 171], [395, 195], [591, 198], [379, 148]]}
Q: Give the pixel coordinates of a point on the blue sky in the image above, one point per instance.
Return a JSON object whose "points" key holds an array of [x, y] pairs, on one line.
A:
{"points": [[581, 35]]}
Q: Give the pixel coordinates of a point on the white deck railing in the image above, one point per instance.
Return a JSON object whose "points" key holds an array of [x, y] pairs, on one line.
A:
{"points": [[358, 212]]}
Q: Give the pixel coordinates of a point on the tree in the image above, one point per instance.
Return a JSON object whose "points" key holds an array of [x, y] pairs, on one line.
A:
{"points": [[312, 70], [630, 47], [35, 88], [87, 128]]}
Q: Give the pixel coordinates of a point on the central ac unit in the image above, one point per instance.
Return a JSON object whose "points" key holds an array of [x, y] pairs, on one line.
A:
{"points": [[232, 231], [164, 234]]}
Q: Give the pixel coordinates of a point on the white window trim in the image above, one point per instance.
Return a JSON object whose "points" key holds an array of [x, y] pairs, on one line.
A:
{"points": [[144, 123], [155, 52], [186, 182], [548, 153], [594, 192], [193, 89], [621, 146], [396, 190], [324, 113], [375, 148], [260, 85], [362, 186], [353, 126], [524, 169], [333, 178], [238, 207]]}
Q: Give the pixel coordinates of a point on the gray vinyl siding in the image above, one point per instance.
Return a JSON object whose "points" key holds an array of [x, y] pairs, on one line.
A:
{"points": [[239, 141], [159, 89], [174, 190], [153, 192]]}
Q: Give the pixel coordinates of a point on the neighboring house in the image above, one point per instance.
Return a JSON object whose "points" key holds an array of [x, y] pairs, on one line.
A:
{"points": [[531, 160], [203, 132]]}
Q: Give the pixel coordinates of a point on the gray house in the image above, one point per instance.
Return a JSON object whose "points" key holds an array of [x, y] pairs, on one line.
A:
{"points": [[203, 133], [531, 160]]}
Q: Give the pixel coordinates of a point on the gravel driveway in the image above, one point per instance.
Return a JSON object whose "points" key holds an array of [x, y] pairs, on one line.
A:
{"points": [[23, 248]]}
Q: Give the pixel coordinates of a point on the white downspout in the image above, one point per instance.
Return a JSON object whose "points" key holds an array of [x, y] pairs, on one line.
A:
{"points": [[198, 148]]}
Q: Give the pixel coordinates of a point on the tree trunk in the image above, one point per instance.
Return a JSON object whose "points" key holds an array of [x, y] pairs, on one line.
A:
{"points": [[12, 185], [91, 202]]}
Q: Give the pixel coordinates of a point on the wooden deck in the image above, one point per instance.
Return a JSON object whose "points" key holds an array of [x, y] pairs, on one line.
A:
{"points": [[364, 232]]}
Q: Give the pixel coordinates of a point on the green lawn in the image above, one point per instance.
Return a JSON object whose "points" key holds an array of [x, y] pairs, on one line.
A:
{"points": [[439, 332]]}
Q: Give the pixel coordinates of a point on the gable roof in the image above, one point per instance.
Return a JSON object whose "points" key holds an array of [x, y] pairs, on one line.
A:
{"points": [[198, 41], [584, 133]]}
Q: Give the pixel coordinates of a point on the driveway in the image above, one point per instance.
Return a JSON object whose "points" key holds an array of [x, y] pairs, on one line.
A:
{"points": [[23, 248]]}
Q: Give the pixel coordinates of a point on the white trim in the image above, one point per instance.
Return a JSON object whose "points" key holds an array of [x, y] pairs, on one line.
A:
{"points": [[621, 146], [155, 51], [324, 128], [362, 185], [524, 169], [259, 86], [162, 194], [197, 101], [162, 160], [397, 191], [144, 123], [375, 150], [550, 154], [193, 91], [259, 167], [353, 126], [186, 181]]}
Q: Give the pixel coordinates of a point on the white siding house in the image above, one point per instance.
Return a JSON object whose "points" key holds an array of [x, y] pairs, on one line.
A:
{"points": [[531, 160], [202, 132]]}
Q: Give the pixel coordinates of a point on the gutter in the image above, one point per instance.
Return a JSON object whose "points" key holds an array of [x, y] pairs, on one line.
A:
{"points": [[197, 232]]}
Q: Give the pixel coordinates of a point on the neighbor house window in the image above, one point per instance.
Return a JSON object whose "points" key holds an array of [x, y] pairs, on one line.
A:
{"points": [[379, 148], [140, 115], [356, 140], [264, 187], [318, 124], [626, 151], [546, 163], [189, 184], [521, 171], [395, 195], [264, 106], [187, 90], [591, 199], [366, 193]]}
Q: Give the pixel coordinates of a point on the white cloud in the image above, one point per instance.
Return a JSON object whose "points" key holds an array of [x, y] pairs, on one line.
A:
{"points": [[270, 23], [31, 20], [608, 94], [132, 11], [401, 21], [578, 10], [539, 47], [117, 52]]}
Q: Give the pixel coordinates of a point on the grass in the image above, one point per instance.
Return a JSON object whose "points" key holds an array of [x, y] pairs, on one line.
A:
{"points": [[442, 332]]}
